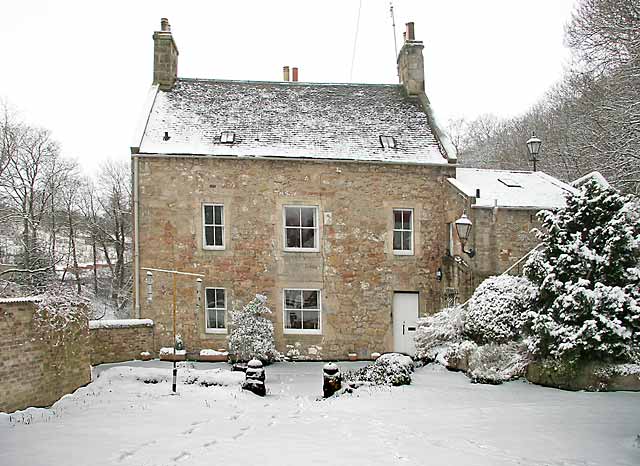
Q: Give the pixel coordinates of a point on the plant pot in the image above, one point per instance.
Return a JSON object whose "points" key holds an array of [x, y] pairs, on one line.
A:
{"points": [[146, 356], [173, 357], [353, 357], [213, 358]]}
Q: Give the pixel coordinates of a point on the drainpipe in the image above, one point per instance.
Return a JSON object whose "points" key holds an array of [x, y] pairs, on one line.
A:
{"points": [[136, 237]]}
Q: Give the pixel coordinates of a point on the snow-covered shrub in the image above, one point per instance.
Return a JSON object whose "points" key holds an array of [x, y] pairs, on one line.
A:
{"points": [[589, 277], [251, 334], [60, 313], [437, 332], [389, 369], [496, 363], [495, 311]]}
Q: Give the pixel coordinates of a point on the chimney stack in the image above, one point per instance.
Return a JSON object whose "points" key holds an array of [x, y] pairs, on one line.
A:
{"points": [[295, 74], [165, 57], [411, 63], [285, 72]]}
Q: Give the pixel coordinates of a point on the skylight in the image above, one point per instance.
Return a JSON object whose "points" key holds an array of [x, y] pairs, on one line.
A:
{"points": [[510, 182], [227, 137], [387, 142]]}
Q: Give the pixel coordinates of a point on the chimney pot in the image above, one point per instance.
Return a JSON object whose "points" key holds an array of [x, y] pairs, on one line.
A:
{"points": [[295, 74], [411, 31], [164, 25], [285, 73]]}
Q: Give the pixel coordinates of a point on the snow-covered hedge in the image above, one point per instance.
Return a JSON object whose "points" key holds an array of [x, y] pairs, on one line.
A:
{"points": [[60, 313], [437, 332], [389, 369], [252, 333], [496, 363], [589, 277], [496, 310]]}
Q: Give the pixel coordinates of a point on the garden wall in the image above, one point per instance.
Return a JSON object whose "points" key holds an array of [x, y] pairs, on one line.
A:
{"points": [[35, 370], [120, 340]]}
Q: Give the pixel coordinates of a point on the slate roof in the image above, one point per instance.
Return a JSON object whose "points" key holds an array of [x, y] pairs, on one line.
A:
{"points": [[528, 190], [290, 120]]}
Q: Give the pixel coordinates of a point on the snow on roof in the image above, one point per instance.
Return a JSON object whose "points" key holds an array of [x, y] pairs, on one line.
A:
{"points": [[596, 176], [514, 189], [21, 299], [290, 120]]}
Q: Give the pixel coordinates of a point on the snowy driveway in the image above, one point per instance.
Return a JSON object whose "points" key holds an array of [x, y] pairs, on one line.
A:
{"points": [[441, 419]]}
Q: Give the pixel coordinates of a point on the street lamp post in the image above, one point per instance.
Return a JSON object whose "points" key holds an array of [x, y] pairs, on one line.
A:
{"points": [[533, 144]]}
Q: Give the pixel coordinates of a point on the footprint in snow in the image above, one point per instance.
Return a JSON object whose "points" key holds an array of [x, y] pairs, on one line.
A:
{"points": [[124, 455], [238, 435], [182, 456], [210, 444]]}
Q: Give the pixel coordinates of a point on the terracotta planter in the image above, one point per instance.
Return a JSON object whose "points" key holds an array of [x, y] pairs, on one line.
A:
{"points": [[173, 357], [146, 356], [353, 357], [213, 358]]}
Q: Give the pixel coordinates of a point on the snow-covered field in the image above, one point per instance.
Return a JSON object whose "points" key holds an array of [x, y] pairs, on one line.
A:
{"points": [[441, 419]]}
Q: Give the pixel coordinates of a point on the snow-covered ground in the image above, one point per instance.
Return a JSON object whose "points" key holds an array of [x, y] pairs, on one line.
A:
{"points": [[441, 419]]}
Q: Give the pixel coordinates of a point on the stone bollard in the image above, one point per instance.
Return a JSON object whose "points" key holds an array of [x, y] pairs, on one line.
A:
{"points": [[254, 381], [332, 379]]}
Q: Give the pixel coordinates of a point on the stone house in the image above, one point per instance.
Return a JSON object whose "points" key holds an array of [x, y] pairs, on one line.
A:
{"points": [[333, 200]]}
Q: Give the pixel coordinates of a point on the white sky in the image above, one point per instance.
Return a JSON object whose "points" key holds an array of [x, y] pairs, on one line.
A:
{"points": [[82, 69]]}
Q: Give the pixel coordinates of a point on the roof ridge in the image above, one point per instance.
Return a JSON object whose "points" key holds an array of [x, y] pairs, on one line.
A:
{"points": [[285, 83]]}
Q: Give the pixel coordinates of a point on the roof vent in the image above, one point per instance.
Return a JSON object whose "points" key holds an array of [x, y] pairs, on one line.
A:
{"points": [[166, 136], [388, 142], [510, 182], [227, 137]]}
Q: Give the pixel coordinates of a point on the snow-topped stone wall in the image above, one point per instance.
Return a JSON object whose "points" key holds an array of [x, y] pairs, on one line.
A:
{"points": [[36, 367], [120, 340]]}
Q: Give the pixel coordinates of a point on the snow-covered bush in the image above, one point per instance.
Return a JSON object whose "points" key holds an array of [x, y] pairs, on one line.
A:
{"points": [[60, 313], [437, 332], [495, 311], [589, 276], [496, 363], [389, 369], [251, 334]]}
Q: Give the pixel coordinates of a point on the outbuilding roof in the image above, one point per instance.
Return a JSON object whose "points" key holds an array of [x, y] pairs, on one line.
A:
{"points": [[290, 120], [512, 189]]}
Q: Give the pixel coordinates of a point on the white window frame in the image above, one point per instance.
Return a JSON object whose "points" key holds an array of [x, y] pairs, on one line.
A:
{"points": [[214, 225], [316, 236], [301, 331], [206, 311], [403, 252]]}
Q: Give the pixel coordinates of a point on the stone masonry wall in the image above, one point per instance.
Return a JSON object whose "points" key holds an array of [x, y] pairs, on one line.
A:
{"points": [[33, 370], [500, 237], [120, 343], [355, 268]]}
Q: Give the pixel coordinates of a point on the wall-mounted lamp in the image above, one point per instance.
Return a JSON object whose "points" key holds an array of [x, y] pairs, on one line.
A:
{"points": [[463, 228], [439, 274]]}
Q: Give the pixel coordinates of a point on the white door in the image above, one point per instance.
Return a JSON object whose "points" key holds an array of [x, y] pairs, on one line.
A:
{"points": [[405, 316]]}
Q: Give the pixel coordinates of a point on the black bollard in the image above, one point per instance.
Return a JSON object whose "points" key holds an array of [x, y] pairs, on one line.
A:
{"points": [[255, 376], [332, 379]]}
